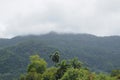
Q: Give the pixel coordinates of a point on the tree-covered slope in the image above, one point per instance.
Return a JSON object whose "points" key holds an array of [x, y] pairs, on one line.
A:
{"points": [[72, 69], [99, 53]]}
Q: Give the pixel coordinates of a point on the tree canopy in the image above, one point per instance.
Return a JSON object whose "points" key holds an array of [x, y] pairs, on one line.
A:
{"points": [[65, 70]]}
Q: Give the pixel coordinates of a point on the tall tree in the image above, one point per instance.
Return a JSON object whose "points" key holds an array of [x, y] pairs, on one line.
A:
{"points": [[55, 57], [37, 64]]}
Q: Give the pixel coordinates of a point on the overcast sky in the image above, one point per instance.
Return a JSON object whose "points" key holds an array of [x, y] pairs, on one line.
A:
{"points": [[23, 17]]}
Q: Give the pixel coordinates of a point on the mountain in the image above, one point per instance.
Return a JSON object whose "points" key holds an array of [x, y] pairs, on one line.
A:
{"points": [[98, 53]]}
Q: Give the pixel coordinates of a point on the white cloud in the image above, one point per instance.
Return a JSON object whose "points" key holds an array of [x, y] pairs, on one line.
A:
{"points": [[22, 17], [2, 30]]}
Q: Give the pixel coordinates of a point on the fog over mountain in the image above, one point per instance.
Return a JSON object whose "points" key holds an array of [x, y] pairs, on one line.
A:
{"points": [[23, 17]]}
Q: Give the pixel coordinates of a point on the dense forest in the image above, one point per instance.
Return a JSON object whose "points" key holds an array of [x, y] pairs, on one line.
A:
{"points": [[63, 70], [100, 54]]}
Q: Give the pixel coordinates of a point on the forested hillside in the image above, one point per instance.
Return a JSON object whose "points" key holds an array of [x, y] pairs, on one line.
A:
{"points": [[98, 53], [71, 69]]}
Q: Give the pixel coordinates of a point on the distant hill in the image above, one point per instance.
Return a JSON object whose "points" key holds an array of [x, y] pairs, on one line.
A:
{"points": [[98, 53]]}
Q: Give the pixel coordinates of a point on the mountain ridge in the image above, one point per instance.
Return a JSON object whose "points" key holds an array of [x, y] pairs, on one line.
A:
{"points": [[99, 53]]}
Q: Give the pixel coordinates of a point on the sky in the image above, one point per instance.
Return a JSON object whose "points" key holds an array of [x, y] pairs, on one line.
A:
{"points": [[24, 17]]}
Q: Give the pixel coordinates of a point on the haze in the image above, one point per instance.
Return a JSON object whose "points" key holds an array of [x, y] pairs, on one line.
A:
{"points": [[23, 17]]}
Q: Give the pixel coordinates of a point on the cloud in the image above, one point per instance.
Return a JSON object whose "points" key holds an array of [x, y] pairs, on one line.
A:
{"points": [[109, 6], [2, 30], [22, 17]]}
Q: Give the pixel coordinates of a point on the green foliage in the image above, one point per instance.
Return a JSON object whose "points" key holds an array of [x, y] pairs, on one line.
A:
{"points": [[75, 63], [55, 57], [22, 77], [37, 64], [62, 68], [65, 70], [33, 76], [64, 65], [116, 73], [76, 74], [49, 74], [104, 77], [81, 74], [35, 69]]}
